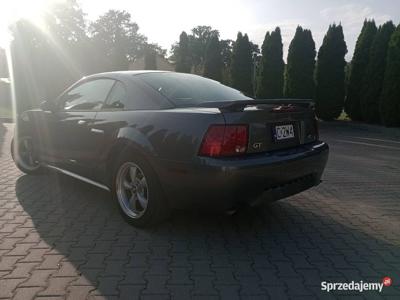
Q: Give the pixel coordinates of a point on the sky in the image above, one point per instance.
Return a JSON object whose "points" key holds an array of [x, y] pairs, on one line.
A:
{"points": [[163, 21]]}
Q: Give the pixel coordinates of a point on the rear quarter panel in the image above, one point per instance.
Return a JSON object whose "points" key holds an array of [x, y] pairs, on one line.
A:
{"points": [[165, 137]]}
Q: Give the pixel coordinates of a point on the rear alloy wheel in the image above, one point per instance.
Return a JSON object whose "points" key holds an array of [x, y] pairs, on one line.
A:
{"points": [[25, 155], [132, 190], [139, 194]]}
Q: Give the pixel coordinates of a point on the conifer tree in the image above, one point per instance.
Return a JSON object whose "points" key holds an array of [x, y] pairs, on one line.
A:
{"points": [[242, 65], [390, 97], [373, 78], [183, 61], [359, 66], [213, 60], [330, 74], [270, 80], [299, 77]]}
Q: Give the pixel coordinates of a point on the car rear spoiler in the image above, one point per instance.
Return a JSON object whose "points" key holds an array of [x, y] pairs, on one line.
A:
{"points": [[233, 106]]}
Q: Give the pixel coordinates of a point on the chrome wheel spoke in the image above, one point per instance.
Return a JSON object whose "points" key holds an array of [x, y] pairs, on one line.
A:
{"points": [[133, 174], [133, 201], [142, 200], [143, 182], [127, 185]]}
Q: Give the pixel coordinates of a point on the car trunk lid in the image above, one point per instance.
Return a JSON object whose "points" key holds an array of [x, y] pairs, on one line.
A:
{"points": [[273, 124]]}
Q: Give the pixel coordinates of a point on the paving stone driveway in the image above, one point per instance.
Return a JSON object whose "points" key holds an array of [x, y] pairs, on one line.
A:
{"points": [[60, 238]]}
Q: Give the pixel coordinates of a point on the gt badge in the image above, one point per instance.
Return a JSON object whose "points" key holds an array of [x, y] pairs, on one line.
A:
{"points": [[257, 145]]}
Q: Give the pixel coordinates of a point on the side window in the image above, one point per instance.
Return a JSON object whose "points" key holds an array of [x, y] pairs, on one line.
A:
{"points": [[117, 98], [88, 95], [133, 97]]}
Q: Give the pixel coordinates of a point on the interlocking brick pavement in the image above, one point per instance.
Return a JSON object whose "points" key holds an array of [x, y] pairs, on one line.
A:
{"points": [[63, 239]]}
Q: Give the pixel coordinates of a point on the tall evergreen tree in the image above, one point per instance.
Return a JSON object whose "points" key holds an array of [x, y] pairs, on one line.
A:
{"points": [[359, 66], [373, 78], [242, 65], [183, 61], [390, 97], [270, 81], [213, 60], [330, 74], [226, 52], [299, 77]]}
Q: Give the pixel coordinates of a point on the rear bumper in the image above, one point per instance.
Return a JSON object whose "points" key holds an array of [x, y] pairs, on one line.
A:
{"points": [[228, 182]]}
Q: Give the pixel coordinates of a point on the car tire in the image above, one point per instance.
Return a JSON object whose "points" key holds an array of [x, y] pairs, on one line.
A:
{"points": [[130, 193], [19, 154]]}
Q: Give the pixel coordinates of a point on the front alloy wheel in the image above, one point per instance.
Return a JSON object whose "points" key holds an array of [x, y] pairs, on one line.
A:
{"points": [[25, 155]]}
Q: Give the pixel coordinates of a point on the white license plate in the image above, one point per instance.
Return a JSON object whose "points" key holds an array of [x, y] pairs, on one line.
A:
{"points": [[283, 132]]}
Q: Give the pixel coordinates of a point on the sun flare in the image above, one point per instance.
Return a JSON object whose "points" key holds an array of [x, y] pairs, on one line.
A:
{"points": [[13, 10]]}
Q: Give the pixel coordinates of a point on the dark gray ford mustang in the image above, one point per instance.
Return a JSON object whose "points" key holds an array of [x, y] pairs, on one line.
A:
{"points": [[162, 140]]}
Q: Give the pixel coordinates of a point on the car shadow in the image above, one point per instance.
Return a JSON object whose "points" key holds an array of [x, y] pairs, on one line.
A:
{"points": [[280, 248]]}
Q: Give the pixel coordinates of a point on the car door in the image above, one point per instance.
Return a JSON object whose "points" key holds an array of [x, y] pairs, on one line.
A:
{"points": [[77, 137], [127, 100], [107, 123], [47, 136]]}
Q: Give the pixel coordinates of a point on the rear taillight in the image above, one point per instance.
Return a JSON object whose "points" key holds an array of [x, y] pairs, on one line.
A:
{"points": [[225, 140]]}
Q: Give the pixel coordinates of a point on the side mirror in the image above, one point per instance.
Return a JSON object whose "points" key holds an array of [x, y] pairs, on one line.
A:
{"points": [[48, 106]]}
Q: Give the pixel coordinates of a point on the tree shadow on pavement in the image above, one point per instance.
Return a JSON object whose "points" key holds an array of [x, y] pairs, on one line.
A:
{"points": [[280, 250]]}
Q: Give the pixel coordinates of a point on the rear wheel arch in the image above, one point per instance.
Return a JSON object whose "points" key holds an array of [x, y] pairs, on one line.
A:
{"points": [[121, 148]]}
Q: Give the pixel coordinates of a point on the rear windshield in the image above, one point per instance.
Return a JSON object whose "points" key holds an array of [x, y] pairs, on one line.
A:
{"points": [[186, 89]]}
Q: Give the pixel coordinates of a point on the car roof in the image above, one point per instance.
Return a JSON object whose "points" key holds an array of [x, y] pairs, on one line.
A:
{"points": [[124, 73], [127, 75]]}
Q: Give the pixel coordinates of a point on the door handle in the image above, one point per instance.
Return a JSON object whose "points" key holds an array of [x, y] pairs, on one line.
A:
{"points": [[82, 122]]}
